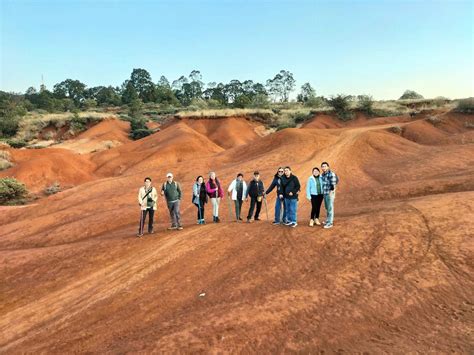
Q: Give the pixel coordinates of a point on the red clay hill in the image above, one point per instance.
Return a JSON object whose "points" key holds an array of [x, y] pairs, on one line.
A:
{"points": [[394, 275]]}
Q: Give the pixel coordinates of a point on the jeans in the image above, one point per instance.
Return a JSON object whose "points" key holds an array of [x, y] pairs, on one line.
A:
{"points": [[280, 211], [151, 213], [253, 202], [291, 205], [200, 211], [329, 205], [175, 215]]}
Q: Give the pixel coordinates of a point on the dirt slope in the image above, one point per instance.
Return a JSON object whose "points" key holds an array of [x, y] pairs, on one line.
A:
{"points": [[393, 275]]}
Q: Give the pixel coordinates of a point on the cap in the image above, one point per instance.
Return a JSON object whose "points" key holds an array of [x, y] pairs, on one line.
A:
{"points": [[169, 175], [256, 173]]}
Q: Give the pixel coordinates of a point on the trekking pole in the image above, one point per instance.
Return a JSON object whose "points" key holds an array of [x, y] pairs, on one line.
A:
{"points": [[230, 208], [266, 207]]}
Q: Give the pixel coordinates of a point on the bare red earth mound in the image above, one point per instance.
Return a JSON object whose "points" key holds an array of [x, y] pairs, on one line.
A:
{"points": [[394, 274]]}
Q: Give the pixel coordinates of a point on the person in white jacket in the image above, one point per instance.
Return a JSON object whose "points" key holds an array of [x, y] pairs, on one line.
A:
{"points": [[237, 191], [147, 199]]}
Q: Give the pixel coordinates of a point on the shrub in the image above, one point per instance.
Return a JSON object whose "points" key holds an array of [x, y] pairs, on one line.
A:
{"points": [[5, 164], [53, 189], [341, 105], [12, 191], [140, 133], [17, 143], [78, 123], [465, 105], [9, 125], [316, 101], [410, 95], [396, 129], [366, 104], [434, 120]]}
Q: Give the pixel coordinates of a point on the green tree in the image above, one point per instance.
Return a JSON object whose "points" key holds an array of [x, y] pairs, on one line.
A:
{"points": [[410, 94], [281, 85], [366, 104], [129, 93], [141, 81], [307, 93], [72, 89]]}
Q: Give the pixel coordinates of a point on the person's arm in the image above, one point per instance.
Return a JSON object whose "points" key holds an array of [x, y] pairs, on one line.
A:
{"points": [[231, 187], [308, 189], [333, 182], [162, 189], [154, 194], [297, 185], [178, 188], [272, 186], [140, 196]]}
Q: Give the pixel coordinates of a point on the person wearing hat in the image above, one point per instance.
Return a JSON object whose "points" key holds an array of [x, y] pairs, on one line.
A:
{"points": [[172, 192], [256, 191]]}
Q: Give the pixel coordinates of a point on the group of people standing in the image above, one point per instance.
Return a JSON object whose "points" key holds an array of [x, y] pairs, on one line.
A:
{"points": [[320, 187]]}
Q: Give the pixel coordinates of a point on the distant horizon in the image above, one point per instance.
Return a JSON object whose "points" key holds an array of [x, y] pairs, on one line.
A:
{"points": [[339, 47]]}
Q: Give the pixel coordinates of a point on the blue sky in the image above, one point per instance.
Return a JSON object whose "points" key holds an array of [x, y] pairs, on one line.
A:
{"points": [[352, 47]]}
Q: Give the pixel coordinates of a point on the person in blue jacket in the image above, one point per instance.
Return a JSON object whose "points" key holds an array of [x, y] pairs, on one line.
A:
{"points": [[314, 193]]}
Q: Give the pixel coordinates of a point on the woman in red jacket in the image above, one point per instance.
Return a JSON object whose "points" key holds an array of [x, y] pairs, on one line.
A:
{"points": [[215, 193]]}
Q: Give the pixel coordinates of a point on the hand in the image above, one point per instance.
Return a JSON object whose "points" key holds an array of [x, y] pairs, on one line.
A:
{"points": [[331, 192], [281, 196], [291, 194]]}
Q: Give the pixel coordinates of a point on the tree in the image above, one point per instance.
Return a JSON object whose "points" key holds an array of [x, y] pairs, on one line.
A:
{"points": [[141, 81], [341, 105], [307, 93], [281, 85], [410, 95], [72, 89], [129, 93]]}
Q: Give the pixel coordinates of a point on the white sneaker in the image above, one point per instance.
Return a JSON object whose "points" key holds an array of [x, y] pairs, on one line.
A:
{"points": [[316, 221], [327, 226], [311, 222], [293, 225]]}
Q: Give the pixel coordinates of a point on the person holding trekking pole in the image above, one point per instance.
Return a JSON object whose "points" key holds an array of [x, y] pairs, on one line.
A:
{"points": [[237, 191], [147, 199], [280, 210], [200, 198]]}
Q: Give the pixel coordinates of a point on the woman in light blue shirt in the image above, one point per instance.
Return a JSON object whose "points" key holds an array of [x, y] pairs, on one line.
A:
{"points": [[314, 193]]}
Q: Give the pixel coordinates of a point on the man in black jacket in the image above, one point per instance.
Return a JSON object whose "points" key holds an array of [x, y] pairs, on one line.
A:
{"points": [[280, 210], [256, 191], [291, 188]]}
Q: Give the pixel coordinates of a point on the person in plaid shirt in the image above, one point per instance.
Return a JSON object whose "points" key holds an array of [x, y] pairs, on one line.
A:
{"points": [[330, 181]]}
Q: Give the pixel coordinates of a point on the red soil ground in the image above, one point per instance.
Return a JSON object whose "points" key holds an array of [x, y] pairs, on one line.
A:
{"points": [[395, 274]]}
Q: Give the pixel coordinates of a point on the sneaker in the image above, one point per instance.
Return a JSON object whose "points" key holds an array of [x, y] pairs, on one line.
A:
{"points": [[293, 225], [180, 228], [311, 222], [240, 219], [327, 226], [139, 235], [172, 228], [151, 231], [249, 220], [257, 219], [276, 223], [316, 221], [217, 220], [288, 223], [203, 221]]}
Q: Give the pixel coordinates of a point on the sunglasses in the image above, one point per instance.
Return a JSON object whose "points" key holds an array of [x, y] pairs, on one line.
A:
{"points": [[280, 171]]}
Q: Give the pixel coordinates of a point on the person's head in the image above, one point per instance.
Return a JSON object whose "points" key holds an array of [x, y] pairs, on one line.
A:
{"points": [[147, 182], [240, 176], [287, 171], [169, 177], [212, 175], [324, 166], [316, 171], [200, 179], [256, 175], [280, 171]]}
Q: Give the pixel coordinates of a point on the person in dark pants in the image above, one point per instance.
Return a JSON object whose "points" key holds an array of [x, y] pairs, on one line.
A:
{"points": [[172, 192], [237, 191], [200, 198], [147, 198], [256, 191], [314, 193]]}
